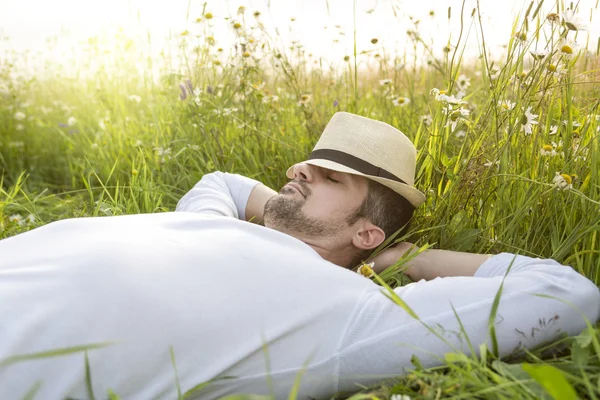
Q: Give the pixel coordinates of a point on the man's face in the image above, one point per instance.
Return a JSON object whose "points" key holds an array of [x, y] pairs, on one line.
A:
{"points": [[317, 202]]}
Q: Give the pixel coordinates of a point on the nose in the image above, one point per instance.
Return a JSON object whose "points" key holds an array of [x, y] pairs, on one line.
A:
{"points": [[303, 172]]}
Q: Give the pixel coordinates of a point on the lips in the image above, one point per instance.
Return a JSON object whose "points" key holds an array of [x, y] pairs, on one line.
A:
{"points": [[297, 187]]}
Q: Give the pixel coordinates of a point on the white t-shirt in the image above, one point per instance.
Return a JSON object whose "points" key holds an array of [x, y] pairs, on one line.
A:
{"points": [[232, 298]]}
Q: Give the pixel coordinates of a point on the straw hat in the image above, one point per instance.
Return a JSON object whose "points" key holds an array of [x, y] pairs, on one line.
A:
{"points": [[366, 147]]}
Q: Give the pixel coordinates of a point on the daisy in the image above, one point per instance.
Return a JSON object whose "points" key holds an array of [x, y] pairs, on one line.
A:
{"points": [[567, 48], [553, 130], [366, 270], [548, 150], [528, 120], [555, 70], [490, 163], [426, 119], [539, 55], [304, 100], [135, 98], [463, 82], [573, 22], [506, 105], [17, 219], [401, 101], [562, 181]]}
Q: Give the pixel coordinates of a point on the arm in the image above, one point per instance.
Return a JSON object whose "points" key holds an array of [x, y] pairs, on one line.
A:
{"points": [[431, 263], [229, 195], [387, 336], [256, 203]]}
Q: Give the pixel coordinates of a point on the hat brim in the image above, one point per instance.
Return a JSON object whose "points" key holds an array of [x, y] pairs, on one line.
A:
{"points": [[415, 197]]}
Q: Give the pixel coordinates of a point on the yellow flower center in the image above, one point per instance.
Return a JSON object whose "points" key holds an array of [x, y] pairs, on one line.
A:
{"points": [[184, 33], [524, 119], [237, 25], [246, 54], [208, 15], [547, 147], [304, 97], [374, 40], [551, 67], [566, 49], [505, 106], [442, 91], [365, 270], [401, 100], [567, 178]]}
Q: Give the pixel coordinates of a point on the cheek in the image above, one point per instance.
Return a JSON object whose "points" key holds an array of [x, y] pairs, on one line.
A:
{"points": [[328, 206]]}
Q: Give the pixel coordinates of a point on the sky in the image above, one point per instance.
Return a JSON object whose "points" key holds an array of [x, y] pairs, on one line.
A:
{"points": [[26, 25]]}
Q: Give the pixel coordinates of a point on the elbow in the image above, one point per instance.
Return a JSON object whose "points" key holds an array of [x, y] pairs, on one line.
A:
{"points": [[582, 295]]}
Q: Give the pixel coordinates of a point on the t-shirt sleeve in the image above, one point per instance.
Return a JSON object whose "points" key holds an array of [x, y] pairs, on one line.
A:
{"points": [[454, 313], [219, 193]]}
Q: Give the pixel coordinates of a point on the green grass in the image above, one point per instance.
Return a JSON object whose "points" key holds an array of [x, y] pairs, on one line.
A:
{"points": [[489, 189]]}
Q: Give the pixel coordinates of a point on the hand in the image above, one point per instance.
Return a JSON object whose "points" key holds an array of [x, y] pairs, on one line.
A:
{"points": [[390, 256]]}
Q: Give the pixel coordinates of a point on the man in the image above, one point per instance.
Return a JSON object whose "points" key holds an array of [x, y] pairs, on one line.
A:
{"points": [[172, 300]]}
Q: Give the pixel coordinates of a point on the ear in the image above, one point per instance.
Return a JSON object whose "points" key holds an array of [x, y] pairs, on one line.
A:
{"points": [[368, 236]]}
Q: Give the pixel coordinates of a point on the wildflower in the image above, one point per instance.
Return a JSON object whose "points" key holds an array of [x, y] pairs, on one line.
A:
{"points": [[528, 120], [30, 219], [138, 143], [20, 116], [555, 70], [553, 18], [237, 25], [184, 33], [450, 99], [539, 55], [346, 58], [241, 10], [521, 36], [401, 101], [335, 103], [456, 116], [208, 15], [567, 48], [573, 22], [134, 172], [304, 100], [374, 40], [506, 105], [548, 150], [562, 181], [246, 54], [366, 270], [71, 121], [16, 145], [403, 396], [16, 218], [426, 119], [490, 163], [198, 20], [256, 14], [460, 134], [575, 123], [385, 82], [463, 82], [135, 98]]}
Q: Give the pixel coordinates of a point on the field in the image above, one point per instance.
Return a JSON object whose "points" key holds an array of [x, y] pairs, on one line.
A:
{"points": [[508, 153]]}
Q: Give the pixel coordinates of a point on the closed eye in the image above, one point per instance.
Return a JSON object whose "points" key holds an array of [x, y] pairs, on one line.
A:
{"points": [[332, 180]]}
